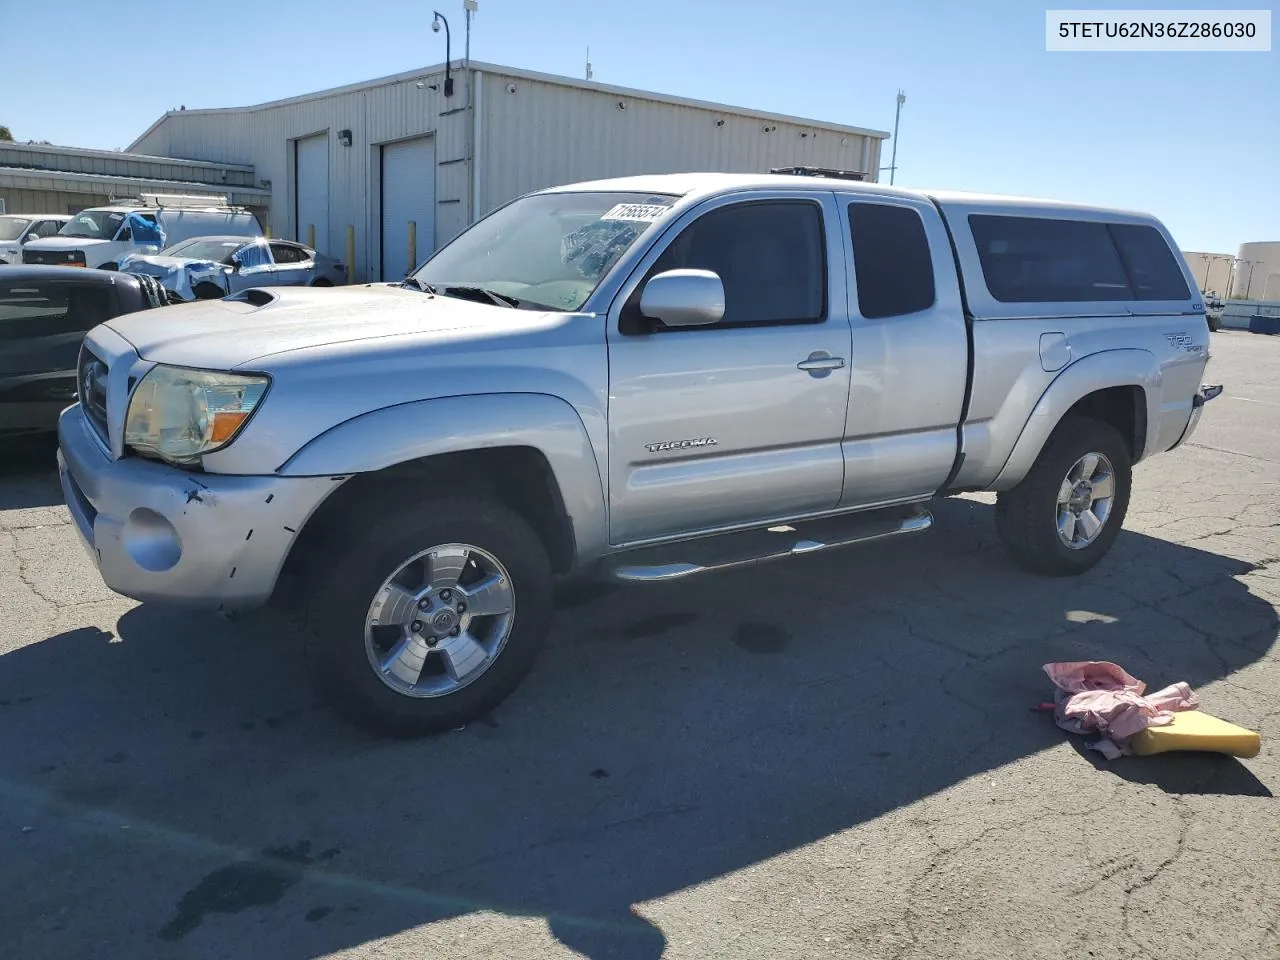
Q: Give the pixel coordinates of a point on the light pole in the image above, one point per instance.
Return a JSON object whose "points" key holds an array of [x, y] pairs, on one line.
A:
{"points": [[1248, 284], [893, 161], [1231, 275], [448, 55]]}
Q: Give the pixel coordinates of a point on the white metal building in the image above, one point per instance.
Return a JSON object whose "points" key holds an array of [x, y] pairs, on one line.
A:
{"points": [[1211, 270], [397, 164]]}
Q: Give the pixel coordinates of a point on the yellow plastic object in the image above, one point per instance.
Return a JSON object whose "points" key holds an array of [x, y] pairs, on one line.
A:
{"points": [[1194, 730]]}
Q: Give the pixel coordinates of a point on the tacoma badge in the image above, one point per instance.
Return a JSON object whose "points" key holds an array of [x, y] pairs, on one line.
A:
{"points": [[680, 444]]}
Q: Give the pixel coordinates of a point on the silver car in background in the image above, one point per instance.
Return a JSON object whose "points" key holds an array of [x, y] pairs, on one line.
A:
{"points": [[208, 268]]}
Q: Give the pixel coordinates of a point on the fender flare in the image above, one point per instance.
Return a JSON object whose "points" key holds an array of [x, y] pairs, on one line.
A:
{"points": [[1128, 367], [424, 428]]}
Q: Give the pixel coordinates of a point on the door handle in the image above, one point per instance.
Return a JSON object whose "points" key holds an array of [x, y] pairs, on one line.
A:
{"points": [[820, 363]]}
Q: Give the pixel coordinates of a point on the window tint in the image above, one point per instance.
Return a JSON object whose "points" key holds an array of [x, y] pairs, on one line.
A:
{"points": [[45, 309], [769, 255], [891, 260], [1039, 260], [288, 253], [1153, 272]]}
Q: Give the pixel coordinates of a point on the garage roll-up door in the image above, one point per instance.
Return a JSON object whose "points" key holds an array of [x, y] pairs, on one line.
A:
{"points": [[408, 196], [311, 190]]}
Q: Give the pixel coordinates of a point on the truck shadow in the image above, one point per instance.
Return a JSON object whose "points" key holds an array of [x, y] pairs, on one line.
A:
{"points": [[669, 736]]}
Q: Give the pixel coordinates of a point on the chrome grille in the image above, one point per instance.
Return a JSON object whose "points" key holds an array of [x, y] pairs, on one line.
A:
{"points": [[91, 387]]}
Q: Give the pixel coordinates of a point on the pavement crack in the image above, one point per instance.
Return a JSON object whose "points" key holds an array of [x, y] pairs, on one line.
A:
{"points": [[1185, 817]]}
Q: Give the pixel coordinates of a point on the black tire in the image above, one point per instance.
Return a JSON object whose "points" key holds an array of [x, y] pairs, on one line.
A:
{"points": [[1026, 515], [322, 282], [353, 566], [204, 290]]}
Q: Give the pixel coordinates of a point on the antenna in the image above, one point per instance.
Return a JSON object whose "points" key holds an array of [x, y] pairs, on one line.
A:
{"points": [[588, 63]]}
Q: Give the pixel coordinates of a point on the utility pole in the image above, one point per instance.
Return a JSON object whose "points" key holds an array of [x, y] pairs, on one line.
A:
{"points": [[470, 7], [897, 115], [588, 63]]}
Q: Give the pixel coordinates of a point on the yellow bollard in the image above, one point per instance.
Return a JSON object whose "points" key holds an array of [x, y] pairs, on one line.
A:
{"points": [[311, 235], [351, 253], [413, 247]]}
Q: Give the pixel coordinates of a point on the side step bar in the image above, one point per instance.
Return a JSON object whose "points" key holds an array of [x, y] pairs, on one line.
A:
{"points": [[744, 548]]}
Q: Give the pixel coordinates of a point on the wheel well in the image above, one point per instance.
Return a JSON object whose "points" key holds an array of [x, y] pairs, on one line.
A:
{"points": [[1125, 408], [322, 282], [519, 476]]}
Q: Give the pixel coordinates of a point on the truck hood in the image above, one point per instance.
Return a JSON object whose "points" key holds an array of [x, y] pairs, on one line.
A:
{"points": [[242, 330], [66, 243]]}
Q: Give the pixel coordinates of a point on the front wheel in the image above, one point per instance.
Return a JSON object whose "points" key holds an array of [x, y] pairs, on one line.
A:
{"points": [[422, 623], [1068, 510]]}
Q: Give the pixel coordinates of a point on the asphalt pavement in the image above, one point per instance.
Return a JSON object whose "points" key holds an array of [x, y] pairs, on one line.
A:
{"points": [[835, 756]]}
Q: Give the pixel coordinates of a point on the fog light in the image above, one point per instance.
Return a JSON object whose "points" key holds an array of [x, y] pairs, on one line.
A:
{"points": [[151, 541]]}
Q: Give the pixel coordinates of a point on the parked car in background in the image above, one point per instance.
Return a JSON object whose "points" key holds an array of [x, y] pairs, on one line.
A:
{"points": [[211, 267], [653, 377], [44, 314], [102, 236], [17, 230], [1213, 310]]}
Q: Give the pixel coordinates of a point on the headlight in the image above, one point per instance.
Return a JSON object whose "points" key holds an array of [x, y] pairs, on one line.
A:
{"points": [[179, 415]]}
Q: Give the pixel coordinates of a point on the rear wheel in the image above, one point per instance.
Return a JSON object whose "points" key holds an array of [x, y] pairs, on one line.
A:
{"points": [[425, 622], [1067, 512]]}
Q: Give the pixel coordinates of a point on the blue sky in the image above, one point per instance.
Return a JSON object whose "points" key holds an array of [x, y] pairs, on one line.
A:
{"points": [[1191, 137]]}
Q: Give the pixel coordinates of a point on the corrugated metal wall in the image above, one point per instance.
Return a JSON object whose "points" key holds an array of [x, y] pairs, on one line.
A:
{"points": [[48, 201], [544, 133], [395, 111], [538, 134], [34, 156]]}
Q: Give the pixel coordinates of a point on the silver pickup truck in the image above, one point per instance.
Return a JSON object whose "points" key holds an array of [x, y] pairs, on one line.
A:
{"points": [[647, 377]]}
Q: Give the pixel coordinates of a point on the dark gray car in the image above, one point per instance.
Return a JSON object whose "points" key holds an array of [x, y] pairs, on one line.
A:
{"points": [[44, 315]]}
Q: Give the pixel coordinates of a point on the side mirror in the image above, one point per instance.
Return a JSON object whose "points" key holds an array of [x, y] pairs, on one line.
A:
{"points": [[236, 265], [28, 237], [684, 298], [126, 234]]}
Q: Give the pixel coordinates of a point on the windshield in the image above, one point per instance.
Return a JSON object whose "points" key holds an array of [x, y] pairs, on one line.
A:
{"points": [[95, 224], [11, 227], [549, 251], [204, 249]]}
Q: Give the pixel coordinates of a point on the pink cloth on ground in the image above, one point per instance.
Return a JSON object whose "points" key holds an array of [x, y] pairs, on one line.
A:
{"points": [[1094, 695]]}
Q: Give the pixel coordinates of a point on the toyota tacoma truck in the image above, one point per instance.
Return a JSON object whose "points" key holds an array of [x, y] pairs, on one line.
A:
{"points": [[649, 378]]}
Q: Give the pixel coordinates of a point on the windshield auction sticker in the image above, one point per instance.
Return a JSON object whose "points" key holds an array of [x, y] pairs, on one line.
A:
{"points": [[635, 212], [1135, 31]]}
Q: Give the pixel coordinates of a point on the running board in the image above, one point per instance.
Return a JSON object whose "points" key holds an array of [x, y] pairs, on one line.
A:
{"points": [[674, 561]]}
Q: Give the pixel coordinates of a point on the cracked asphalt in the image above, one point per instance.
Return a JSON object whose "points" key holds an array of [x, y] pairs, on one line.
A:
{"points": [[832, 757]]}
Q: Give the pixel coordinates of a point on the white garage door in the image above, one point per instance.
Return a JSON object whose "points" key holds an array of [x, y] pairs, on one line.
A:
{"points": [[408, 196], [311, 190]]}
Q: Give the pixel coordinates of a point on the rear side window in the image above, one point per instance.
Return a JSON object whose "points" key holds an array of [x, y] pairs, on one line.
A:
{"points": [[891, 261], [1153, 272], [1039, 260], [29, 310], [286, 253]]}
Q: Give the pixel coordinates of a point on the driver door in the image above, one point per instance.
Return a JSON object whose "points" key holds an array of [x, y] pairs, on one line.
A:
{"points": [[740, 421], [255, 268]]}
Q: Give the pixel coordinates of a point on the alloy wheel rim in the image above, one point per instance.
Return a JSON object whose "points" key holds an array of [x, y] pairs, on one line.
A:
{"points": [[1085, 499], [440, 621]]}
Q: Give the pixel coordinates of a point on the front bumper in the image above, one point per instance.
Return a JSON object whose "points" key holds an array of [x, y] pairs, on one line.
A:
{"points": [[1206, 393], [157, 533]]}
